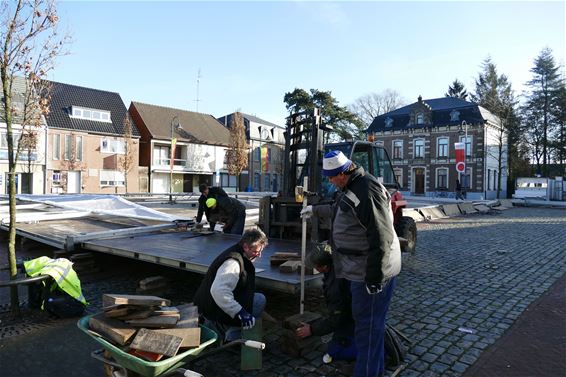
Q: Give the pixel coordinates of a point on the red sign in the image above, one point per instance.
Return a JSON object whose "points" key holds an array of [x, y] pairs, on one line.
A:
{"points": [[460, 159]]}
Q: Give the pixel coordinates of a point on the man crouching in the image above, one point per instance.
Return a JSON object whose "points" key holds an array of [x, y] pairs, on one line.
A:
{"points": [[226, 297]]}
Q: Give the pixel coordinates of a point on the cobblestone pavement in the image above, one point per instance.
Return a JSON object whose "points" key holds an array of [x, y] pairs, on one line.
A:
{"points": [[469, 280]]}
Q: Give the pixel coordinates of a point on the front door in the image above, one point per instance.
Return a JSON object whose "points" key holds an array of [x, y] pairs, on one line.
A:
{"points": [[73, 182], [419, 179]]}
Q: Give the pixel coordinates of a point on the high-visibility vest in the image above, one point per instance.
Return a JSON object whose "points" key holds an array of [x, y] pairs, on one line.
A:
{"points": [[61, 270]]}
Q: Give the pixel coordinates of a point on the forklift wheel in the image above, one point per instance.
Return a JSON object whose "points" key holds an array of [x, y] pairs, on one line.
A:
{"points": [[407, 229]]}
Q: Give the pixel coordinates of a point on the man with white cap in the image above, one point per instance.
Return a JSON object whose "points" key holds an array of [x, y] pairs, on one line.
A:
{"points": [[366, 252]]}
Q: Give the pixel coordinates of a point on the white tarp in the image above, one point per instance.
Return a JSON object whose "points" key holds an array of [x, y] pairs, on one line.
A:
{"points": [[101, 205]]}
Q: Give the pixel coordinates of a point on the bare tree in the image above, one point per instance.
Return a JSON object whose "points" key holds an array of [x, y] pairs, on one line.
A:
{"points": [[371, 105], [126, 162], [30, 44], [237, 154]]}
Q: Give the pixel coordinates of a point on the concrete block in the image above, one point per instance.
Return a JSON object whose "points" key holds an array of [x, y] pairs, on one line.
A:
{"points": [[451, 210], [432, 213], [481, 208], [466, 208], [413, 213]]}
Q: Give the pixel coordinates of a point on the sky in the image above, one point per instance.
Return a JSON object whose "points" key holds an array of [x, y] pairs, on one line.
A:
{"points": [[249, 54]]}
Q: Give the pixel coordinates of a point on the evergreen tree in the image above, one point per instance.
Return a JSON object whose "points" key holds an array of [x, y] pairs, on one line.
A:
{"points": [[345, 124], [544, 90], [457, 90], [494, 92]]}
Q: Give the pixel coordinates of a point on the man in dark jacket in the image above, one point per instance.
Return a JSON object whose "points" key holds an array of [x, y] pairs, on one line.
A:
{"points": [[228, 211], [366, 251], [339, 305], [207, 192], [226, 297]]}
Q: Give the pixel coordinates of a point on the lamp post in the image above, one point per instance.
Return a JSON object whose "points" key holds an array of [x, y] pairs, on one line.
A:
{"points": [[465, 126], [172, 158]]}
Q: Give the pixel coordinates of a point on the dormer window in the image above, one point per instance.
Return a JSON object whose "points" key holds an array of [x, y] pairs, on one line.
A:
{"points": [[388, 122], [454, 116], [90, 114], [420, 118]]}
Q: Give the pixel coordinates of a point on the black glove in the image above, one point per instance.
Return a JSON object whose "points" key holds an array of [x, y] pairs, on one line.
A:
{"points": [[248, 320]]}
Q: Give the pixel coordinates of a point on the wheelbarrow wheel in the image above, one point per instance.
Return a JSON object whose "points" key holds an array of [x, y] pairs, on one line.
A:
{"points": [[110, 371]]}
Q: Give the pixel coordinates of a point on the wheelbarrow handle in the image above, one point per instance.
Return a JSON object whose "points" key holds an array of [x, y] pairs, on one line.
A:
{"points": [[254, 344]]}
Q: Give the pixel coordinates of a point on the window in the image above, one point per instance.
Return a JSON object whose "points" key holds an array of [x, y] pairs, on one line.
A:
{"points": [[267, 182], [468, 143], [419, 148], [4, 140], [161, 155], [56, 177], [489, 179], [399, 176], [397, 149], [111, 178], [67, 150], [79, 145], [388, 122], [420, 118], [56, 147], [442, 178], [227, 180], [257, 178], [90, 114], [112, 146], [442, 147], [454, 116]]}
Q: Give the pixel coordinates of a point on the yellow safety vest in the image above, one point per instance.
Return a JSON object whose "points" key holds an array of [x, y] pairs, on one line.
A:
{"points": [[61, 270]]}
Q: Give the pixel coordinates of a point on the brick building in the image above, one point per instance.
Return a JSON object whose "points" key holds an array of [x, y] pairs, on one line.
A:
{"points": [[420, 140]]}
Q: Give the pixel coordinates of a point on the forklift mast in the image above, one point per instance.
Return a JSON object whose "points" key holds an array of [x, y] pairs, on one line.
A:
{"points": [[304, 150]]}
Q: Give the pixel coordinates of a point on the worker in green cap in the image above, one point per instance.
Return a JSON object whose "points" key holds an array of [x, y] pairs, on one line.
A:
{"points": [[228, 211]]}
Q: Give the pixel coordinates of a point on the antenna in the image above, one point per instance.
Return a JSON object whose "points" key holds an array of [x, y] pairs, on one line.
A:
{"points": [[198, 87]]}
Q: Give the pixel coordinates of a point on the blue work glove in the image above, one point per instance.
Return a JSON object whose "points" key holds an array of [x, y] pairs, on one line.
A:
{"points": [[248, 320], [373, 288]]}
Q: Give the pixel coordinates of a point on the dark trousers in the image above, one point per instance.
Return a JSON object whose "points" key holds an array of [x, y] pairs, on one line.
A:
{"points": [[369, 313], [239, 223]]}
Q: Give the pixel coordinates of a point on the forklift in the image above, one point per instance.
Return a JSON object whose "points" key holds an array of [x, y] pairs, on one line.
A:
{"points": [[304, 150]]}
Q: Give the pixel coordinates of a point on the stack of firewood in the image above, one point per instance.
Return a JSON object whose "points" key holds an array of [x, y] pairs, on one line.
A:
{"points": [[147, 326]]}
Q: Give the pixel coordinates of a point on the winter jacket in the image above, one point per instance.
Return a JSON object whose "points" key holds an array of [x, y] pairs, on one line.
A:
{"points": [[213, 192], [227, 211], [363, 238], [243, 293]]}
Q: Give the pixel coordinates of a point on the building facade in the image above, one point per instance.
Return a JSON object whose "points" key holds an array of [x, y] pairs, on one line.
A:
{"points": [[90, 149], [30, 166], [420, 139], [265, 160], [199, 144]]}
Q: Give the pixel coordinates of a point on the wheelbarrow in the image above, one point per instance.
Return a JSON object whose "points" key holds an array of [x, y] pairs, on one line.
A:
{"points": [[119, 363]]}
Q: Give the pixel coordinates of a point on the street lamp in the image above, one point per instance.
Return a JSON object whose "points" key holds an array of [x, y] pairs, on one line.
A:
{"points": [[172, 159]]}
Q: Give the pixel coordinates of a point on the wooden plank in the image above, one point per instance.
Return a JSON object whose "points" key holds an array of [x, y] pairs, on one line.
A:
{"points": [[118, 299], [156, 342], [290, 266], [112, 329], [158, 322], [152, 282], [189, 316], [190, 335]]}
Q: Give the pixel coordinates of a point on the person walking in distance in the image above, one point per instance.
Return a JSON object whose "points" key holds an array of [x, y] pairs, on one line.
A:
{"points": [[365, 251]]}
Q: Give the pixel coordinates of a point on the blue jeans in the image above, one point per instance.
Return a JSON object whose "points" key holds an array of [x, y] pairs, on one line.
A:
{"points": [[232, 333], [369, 313], [239, 224]]}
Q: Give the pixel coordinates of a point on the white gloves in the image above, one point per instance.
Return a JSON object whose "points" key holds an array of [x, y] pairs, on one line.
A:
{"points": [[306, 213]]}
